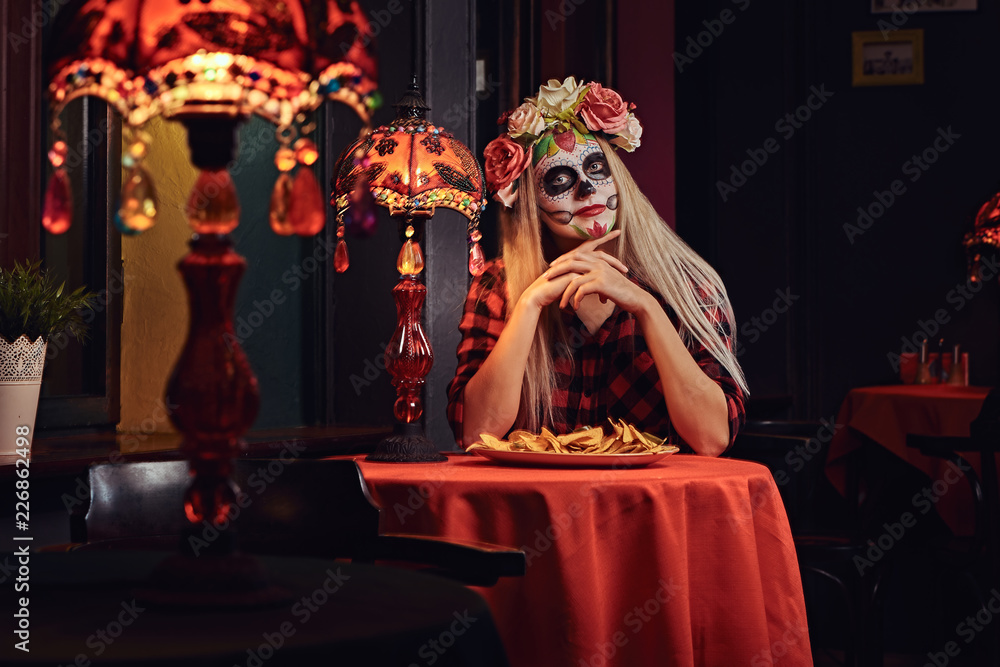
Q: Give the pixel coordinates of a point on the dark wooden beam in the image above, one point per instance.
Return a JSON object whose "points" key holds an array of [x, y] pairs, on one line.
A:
{"points": [[20, 130]]}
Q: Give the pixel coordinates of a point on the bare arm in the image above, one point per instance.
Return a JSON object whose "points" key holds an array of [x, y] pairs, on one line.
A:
{"points": [[493, 394], [697, 405]]}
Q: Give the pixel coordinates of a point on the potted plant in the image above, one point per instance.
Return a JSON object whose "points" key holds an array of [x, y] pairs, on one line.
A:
{"points": [[33, 307]]}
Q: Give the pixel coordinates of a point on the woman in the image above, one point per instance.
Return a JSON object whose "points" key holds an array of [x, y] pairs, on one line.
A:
{"points": [[596, 308]]}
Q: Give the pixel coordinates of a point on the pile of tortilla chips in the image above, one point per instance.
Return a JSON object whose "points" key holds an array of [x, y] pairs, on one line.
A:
{"points": [[624, 439]]}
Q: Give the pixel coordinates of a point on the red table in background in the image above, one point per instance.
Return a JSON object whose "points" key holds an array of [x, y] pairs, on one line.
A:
{"points": [[688, 561], [885, 415]]}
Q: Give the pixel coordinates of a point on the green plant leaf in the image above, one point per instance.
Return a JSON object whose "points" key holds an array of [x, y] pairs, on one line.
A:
{"points": [[31, 303]]}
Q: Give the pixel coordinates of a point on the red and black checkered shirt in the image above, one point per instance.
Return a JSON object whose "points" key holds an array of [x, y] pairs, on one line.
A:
{"points": [[607, 374]]}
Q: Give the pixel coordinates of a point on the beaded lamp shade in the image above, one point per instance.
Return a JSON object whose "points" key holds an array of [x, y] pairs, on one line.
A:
{"points": [[410, 167], [210, 64], [985, 235], [208, 58]]}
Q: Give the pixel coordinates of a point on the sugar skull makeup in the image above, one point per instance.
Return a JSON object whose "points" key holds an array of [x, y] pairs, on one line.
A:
{"points": [[576, 193]]}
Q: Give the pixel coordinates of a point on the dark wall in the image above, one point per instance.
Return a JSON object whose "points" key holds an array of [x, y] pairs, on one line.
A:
{"points": [[821, 310]]}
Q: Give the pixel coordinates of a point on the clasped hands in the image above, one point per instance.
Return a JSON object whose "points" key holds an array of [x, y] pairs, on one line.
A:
{"points": [[586, 270]]}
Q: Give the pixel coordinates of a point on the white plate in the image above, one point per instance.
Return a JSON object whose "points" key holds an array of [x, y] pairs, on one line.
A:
{"points": [[556, 460]]}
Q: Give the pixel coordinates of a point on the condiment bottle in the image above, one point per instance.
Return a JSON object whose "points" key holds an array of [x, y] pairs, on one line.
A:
{"points": [[924, 366], [956, 375]]}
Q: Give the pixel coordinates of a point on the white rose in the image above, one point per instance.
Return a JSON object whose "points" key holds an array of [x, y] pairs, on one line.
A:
{"points": [[555, 97], [526, 119], [629, 138]]}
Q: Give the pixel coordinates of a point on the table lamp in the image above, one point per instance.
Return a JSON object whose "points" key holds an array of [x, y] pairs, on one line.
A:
{"points": [[984, 236], [410, 167], [210, 64]]}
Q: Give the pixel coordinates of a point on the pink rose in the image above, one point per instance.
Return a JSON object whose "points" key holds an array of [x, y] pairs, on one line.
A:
{"points": [[525, 120], [504, 160], [603, 109]]}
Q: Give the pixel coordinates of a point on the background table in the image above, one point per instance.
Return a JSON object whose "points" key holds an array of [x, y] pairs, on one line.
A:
{"points": [[886, 414], [365, 615], [689, 561]]}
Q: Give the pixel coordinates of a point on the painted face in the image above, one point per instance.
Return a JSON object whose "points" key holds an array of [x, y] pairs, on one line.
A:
{"points": [[576, 193]]}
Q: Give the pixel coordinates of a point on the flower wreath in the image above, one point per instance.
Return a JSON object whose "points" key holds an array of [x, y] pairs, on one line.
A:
{"points": [[566, 107]]}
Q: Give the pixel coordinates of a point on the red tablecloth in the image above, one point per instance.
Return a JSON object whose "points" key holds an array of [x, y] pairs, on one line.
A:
{"points": [[887, 414], [689, 561]]}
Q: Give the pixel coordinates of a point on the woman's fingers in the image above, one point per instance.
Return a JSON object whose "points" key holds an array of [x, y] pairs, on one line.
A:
{"points": [[584, 262]]}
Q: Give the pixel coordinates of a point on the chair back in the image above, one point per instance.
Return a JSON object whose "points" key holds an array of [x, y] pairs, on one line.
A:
{"points": [[295, 506]]}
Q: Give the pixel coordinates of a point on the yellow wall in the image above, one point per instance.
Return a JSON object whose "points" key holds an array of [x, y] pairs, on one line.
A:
{"points": [[155, 320]]}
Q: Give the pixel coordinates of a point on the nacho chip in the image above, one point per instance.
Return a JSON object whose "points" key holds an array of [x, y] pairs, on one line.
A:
{"points": [[623, 439]]}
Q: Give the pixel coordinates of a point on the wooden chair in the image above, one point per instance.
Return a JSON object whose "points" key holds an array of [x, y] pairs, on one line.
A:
{"points": [[318, 508], [974, 557], [823, 547]]}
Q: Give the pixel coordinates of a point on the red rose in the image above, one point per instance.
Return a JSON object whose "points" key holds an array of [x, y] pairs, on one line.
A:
{"points": [[504, 162], [603, 109]]}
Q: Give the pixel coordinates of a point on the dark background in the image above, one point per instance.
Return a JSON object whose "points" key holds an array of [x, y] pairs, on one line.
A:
{"points": [[783, 230]]}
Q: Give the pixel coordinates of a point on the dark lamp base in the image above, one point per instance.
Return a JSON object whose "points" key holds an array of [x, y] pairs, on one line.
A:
{"points": [[407, 444], [218, 577]]}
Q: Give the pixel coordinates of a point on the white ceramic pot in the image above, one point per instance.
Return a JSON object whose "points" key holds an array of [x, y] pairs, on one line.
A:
{"points": [[21, 364]]}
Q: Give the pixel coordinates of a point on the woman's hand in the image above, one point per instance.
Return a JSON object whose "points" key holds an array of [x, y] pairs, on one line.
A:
{"points": [[594, 271]]}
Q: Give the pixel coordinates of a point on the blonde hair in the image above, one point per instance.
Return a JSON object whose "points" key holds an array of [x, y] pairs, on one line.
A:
{"points": [[654, 253]]}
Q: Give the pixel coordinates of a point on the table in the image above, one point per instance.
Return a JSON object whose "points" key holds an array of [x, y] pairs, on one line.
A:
{"points": [[688, 561], [83, 610], [886, 414]]}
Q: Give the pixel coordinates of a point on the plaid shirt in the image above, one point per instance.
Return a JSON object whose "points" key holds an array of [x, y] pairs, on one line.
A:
{"points": [[608, 374]]}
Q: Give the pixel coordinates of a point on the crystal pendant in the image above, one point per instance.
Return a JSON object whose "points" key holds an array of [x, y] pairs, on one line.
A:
{"points": [[305, 151], [281, 203], [410, 260], [57, 215], [137, 212], [213, 207], [477, 262], [360, 217], [307, 212], [341, 261], [120, 225]]}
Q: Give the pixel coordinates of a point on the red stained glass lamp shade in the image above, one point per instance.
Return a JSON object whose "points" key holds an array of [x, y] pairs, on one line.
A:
{"points": [[412, 168], [985, 236], [193, 59], [211, 64]]}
